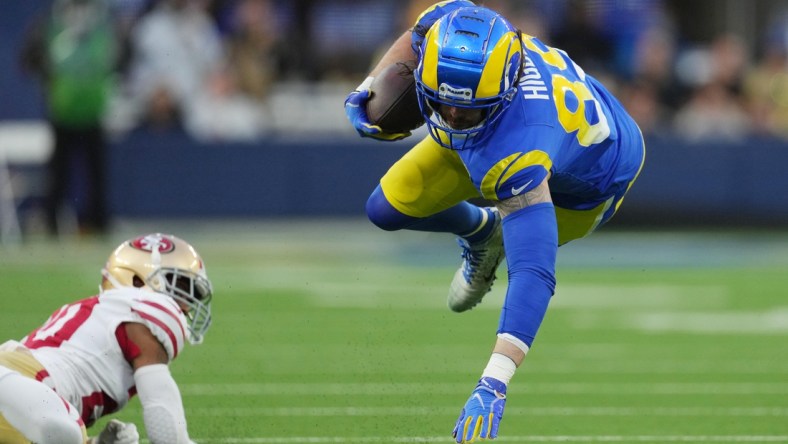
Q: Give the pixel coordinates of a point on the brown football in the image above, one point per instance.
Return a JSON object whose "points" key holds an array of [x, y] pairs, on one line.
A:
{"points": [[393, 105]]}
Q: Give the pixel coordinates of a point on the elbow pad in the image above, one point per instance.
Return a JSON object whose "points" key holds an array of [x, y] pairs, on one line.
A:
{"points": [[162, 407]]}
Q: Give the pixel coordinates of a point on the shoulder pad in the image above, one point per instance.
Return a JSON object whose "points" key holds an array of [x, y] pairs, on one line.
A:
{"points": [[160, 313]]}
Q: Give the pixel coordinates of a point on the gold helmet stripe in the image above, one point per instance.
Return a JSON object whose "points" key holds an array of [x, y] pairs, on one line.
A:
{"points": [[490, 80], [429, 60]]}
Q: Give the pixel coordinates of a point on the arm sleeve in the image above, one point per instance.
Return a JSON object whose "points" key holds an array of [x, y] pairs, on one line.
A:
{"points": [[162, 407], [531, 242]]}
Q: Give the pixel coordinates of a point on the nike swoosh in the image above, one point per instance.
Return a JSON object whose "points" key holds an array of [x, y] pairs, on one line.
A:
{"points": [[478, 397], [516, 191]]}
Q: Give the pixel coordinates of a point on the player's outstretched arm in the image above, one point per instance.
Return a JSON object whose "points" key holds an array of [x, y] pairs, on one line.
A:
{"points": [[162, 405], [530, 237]]}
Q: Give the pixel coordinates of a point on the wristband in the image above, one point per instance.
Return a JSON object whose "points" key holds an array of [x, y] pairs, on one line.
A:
{"points": [[365, 84], [500, 367]]}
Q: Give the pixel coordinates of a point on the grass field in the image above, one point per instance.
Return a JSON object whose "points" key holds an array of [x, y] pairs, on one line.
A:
{"points": [[336, 332]]}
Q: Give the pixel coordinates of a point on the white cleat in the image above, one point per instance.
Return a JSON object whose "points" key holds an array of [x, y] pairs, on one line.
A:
{"points": [[475, 277]]}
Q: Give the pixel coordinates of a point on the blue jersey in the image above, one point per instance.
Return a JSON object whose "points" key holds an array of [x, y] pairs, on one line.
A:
{"points": [[562, 122]]}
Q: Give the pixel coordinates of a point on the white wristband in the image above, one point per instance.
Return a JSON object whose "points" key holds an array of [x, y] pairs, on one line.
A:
{"points": [[500, 367], [365, 84]]}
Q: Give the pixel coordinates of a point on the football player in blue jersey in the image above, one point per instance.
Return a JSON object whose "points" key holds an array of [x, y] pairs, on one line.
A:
{"points": [[515, 122]]}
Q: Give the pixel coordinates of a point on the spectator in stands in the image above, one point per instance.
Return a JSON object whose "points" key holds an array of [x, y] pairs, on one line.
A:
{"points": [[582, 37], [641, 100], [730, 59], [253, 45], [712, 113], [175, 48], [766, 85], [714, 109], [73, 52], [233, 104], [653, 94], [222, 112], [654, 64]]}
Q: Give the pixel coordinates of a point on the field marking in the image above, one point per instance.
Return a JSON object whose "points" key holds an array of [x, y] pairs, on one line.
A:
{"points": [[568, 388], [681, 368], [503, 439], [304, 412], [774, 320], [370, 293], [627, 297]]}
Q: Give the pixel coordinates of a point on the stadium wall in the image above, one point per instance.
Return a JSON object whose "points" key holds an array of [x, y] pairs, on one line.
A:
{"points": [[726, 184]]}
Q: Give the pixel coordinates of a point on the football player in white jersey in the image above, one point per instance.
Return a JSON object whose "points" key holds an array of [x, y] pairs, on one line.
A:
{"points": [[91, 356]]}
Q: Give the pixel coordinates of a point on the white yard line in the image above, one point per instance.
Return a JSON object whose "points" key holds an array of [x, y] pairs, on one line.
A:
{"points": [[511, 439], [311, 412], [568, 388], [772, 321]]}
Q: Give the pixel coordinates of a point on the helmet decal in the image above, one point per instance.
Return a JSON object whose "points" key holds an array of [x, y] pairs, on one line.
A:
{"points": [[446, 91], [153, 242]]}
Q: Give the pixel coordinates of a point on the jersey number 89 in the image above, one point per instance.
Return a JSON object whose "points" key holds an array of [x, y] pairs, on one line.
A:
{"points": [[573, 100]]}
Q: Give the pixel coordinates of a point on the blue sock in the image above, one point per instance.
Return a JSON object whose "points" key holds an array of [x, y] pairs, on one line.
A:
{"points": [[463, 219], [482, 229]]}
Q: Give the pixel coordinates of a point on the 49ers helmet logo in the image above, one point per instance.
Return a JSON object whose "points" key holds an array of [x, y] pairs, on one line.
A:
{"points": [[151, 242]]}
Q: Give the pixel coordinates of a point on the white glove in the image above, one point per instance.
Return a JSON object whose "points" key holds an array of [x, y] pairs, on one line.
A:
{"points": [[117, 432]]}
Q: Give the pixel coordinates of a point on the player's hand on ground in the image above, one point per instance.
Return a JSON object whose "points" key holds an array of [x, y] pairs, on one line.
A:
{"points": [[356, 110], [117, 432], [482, 413]]}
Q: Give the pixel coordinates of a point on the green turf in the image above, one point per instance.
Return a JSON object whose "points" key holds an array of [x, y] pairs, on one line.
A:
{"points": [[326, 333]]}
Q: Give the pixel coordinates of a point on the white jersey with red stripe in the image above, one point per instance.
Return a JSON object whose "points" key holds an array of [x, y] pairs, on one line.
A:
{"points": [[86, 355]]}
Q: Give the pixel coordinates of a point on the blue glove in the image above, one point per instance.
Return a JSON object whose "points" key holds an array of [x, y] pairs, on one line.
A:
{"points": [[482, 412], [356, 110]]}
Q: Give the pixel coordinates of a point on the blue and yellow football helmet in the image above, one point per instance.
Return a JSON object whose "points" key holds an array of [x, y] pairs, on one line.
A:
{"points": [[471, 58]]}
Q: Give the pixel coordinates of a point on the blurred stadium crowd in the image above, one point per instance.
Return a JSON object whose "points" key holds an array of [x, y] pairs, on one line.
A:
{"points": [[236, 70]]}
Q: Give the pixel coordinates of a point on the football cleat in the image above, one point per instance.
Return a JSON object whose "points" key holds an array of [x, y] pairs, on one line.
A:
{"points": [[475, 277]]}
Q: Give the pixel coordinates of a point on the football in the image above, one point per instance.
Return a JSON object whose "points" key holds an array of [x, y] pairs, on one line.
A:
{"points": [[393, 105]]}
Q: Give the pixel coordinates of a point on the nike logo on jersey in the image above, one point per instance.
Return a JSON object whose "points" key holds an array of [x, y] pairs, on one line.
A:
{"points": [[516, 191]]}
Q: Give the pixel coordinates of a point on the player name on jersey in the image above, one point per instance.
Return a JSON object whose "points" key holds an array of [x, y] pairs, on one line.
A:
{"points": [[531, 83]]}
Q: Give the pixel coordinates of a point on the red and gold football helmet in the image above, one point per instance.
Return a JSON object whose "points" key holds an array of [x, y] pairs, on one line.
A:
{"points": [[165, 264]]}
